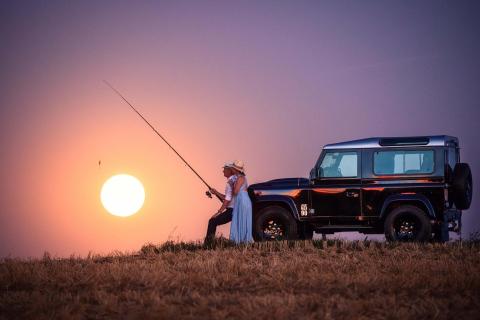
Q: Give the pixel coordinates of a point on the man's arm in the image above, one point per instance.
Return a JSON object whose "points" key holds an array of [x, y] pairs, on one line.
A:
{"points": [[227, 197], [218, 194]]}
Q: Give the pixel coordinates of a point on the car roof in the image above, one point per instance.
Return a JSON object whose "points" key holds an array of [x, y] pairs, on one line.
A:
{"points": [[389, 142]]}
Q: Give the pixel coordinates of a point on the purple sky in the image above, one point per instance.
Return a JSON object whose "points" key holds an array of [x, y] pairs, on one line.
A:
{"points": [[269, 82]]}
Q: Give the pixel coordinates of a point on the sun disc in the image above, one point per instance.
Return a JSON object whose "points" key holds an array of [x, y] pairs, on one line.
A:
{"points": [[122, 195]]}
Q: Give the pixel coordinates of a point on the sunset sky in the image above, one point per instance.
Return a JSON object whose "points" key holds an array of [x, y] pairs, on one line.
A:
{"points": [[267, 82]]}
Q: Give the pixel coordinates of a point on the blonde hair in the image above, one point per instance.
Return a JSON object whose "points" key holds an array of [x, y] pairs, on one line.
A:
{"points": [[238, 172]]}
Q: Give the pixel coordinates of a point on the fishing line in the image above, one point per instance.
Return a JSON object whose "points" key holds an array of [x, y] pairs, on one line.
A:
{"points": [[158, 133]]}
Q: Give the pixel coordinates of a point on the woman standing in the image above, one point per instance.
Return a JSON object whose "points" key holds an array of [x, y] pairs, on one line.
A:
{"points": [[241, 227]]}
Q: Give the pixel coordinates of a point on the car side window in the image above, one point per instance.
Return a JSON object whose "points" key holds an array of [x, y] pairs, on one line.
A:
{"points": [[339, 165], [400, 162]]}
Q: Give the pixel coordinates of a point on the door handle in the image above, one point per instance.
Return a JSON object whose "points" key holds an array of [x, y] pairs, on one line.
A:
{"points": [[352, 194]]}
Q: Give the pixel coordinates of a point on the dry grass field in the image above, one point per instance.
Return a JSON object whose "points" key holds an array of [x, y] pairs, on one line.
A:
{"points": [[284, 280]]}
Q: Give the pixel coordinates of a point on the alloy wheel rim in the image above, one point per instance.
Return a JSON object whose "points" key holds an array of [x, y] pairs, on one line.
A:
{"points": [[273, 230], [406, 228]]}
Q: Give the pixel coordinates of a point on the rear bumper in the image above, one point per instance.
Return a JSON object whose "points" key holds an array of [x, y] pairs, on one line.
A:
{"points": [[453, 216], [452, 221]]}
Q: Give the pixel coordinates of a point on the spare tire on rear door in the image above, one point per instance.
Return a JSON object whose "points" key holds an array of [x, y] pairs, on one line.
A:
{"points": [[462, 186]]}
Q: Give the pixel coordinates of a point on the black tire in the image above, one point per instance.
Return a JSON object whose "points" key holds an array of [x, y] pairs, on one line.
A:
{"points": [[274, 223], [462, 186], [407, 223]]}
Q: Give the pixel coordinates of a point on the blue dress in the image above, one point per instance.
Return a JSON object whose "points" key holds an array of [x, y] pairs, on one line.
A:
{"points": [[241, 227]]}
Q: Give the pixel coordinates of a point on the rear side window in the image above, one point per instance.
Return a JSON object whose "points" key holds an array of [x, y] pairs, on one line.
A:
{"points": [[403, 162]]}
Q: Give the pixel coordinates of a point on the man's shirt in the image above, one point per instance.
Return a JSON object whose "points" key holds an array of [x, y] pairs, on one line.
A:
{"points": [[229, 190]]}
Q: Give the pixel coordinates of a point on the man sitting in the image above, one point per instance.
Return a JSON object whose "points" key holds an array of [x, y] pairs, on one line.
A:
{"points": [[224, 214]]}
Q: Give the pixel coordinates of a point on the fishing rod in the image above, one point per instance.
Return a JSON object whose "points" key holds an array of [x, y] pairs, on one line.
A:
{"points": [[158, 133]]}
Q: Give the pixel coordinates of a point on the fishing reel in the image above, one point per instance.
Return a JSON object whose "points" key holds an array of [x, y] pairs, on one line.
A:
{"points": [[208, 194]]}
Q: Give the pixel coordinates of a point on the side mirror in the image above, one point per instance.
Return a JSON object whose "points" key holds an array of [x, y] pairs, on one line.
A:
{"points": [[313, 173]]}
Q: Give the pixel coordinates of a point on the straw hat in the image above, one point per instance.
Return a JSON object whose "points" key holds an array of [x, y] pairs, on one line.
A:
{"points": [[227, 165], [238, 165]]}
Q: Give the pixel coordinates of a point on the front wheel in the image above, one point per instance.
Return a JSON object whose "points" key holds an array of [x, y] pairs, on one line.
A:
{"points": [[274, 223], [407, 223]]}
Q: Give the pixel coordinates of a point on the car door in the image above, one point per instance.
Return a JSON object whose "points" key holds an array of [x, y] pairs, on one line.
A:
{"points": [[336, 189]]}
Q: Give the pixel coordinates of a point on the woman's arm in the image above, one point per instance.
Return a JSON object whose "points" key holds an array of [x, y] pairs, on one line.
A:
{"points": [[238, 185]]}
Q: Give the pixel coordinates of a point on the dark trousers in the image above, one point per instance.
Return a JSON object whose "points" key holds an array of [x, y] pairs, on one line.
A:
{"points": [[222, 218]]}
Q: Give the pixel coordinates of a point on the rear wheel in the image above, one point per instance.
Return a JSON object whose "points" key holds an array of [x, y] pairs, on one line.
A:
{"points": [[275, 223], [407, 223]]}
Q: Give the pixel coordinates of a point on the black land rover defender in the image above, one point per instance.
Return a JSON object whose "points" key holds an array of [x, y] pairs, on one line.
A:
{"points": [[410, 188]]}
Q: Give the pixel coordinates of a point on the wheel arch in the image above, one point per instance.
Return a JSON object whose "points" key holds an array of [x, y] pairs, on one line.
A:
{"points": [[417, 200], [276, 200]]}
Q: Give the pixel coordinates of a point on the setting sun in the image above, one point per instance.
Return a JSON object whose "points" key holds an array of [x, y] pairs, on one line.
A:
{"points": [[122, 195]]}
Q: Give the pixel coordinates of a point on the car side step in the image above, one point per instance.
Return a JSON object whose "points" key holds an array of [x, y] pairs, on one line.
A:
{"points": [[344, 227]]}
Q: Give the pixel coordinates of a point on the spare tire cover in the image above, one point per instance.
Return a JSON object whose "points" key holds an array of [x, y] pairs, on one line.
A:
{"points": [[462, 186]]}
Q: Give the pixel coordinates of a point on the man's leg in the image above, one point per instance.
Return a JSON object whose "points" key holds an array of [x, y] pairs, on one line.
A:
{"points": [[222, 218]]}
